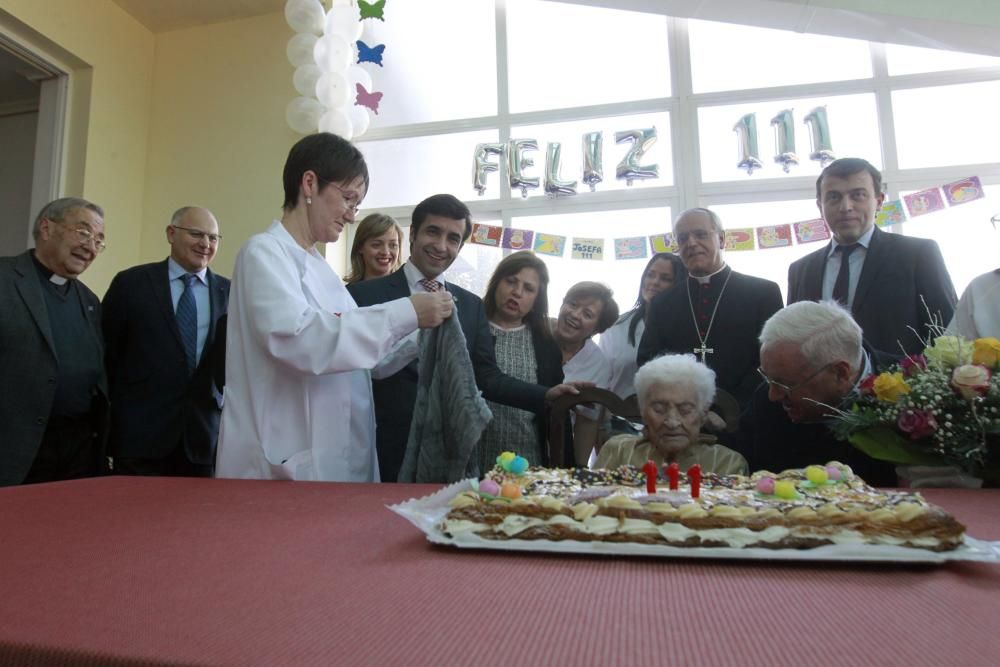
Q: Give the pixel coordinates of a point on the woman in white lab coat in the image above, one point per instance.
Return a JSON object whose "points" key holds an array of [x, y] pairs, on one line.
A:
{"points": [[298, 401]]}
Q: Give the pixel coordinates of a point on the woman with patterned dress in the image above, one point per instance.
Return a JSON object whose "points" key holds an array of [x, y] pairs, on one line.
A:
{"points": [[517, 305]]}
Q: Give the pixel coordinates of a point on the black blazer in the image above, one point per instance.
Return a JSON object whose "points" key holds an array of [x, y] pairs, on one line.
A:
{"points": [[770, 441], [898, 271], [395, 395], [154, 404], [28, 366]]}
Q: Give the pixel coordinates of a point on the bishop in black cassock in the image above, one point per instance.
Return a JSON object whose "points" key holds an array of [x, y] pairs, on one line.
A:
{"points": [[717, 315]]}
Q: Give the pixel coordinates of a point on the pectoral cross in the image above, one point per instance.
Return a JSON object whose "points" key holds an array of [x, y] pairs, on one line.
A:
{"points": [[703, 351]]}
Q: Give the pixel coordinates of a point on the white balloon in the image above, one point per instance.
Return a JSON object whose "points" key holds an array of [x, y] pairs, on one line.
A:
{"points": [[344, 20], [305, 79], [332, 90], [303, 114], [337, 122], [360, 119], [300, 50], [305, 16], [358, 74], [333, 53]]}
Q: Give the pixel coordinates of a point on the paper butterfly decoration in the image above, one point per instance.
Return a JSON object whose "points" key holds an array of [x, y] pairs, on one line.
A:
{"points": [[372, 10], [370, 54], [366, 99]]}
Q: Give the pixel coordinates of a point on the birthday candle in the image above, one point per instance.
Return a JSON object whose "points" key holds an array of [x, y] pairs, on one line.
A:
{"points": [[650, 470], [694, 476], [673, 474]]}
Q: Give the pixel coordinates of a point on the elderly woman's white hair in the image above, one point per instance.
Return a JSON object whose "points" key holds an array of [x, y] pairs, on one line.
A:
{"points": [[825, 332], [677, 369]]}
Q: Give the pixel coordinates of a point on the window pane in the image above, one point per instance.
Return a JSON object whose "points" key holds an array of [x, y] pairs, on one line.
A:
{"points": [[564, 55], [475, 264], [725, 56], [967, 239], [853, 128], [570, 135], [432, 68], [771, 263], [914, 60], [405, 171], [622, 276], [947, 125]]}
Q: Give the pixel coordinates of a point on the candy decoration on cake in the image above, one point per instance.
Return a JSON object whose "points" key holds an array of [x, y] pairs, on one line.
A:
{"points": [[817, 475], [512, 463], [765, 486], [650, 471], [784, 488]]}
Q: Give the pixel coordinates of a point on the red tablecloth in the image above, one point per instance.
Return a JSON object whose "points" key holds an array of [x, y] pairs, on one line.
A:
{"points": [[118, 571]]}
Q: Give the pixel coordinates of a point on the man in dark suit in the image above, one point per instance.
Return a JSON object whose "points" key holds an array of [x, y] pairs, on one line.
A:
{"points": [[439, 227], [891, 283], [53, 390], [717, 314], [164, 351], [812, 358]]}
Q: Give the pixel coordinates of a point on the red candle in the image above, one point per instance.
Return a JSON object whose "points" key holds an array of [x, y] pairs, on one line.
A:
{"points": [[694, 476], [650, 470], [674, 474]]}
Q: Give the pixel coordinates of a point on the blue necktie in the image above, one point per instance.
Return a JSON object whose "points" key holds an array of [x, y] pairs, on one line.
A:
{"points": [[187, 321]]}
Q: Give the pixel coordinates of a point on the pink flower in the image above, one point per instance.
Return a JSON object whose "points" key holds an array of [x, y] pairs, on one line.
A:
{"points": [[913, 364], [971, 380], [918, 423]]}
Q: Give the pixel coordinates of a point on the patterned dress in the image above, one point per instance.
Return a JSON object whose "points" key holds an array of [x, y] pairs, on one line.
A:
{"points": [[512, 429]]}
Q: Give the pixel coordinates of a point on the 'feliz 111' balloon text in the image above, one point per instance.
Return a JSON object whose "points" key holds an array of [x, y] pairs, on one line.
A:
{"points": [[514, 153]]}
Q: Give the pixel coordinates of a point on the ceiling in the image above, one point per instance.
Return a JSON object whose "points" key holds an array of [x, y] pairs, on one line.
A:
{"points": [[165, 15]]}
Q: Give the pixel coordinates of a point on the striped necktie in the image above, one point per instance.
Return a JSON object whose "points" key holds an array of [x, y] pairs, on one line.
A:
{"points": [[187, 321]]}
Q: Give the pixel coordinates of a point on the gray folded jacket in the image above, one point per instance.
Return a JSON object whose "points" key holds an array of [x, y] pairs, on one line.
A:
{"points": [[449, 414]]}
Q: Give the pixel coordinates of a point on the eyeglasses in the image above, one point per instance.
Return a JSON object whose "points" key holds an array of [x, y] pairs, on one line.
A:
{"points": [[198, 235], [86, 237], [352, 200], [788, 391]]}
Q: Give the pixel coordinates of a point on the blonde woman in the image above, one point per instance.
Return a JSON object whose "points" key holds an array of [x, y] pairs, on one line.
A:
{"points": [[376, 249]]}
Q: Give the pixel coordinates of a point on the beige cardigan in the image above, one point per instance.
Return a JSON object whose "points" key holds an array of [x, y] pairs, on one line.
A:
{"points": [[636, 450]]}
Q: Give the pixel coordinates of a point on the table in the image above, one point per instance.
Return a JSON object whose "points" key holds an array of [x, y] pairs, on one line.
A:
{"points": [[157, 571]]}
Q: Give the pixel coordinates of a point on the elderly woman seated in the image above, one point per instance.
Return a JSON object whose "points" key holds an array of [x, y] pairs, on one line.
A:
{"points": [[675, 393]]}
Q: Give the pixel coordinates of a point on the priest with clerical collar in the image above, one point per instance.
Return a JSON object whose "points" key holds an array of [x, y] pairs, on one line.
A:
{"points": [[53, 389], [717, 315]]}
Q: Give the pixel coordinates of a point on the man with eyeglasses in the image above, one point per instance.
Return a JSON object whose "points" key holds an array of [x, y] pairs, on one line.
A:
{"points": [[812, 357], [895, 286], [53, 389], [716, 314], [165, 346]]}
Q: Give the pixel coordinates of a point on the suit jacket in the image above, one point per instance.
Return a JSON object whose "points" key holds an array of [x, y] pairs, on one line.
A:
{"points": [[770, 441], [746, 304], [897, 272], [155, 405], [29, 367], [395, 395]]}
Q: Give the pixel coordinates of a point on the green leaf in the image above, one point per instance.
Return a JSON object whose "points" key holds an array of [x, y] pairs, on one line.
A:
{"points": [[885, 444]]}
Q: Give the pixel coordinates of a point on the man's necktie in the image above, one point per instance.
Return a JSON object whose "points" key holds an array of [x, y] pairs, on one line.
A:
{"points": [[841, 287], [187, 321], [431, 285]]}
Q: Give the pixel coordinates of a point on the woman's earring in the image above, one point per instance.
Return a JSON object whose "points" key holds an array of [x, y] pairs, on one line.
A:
{"points": [[309, 200]]}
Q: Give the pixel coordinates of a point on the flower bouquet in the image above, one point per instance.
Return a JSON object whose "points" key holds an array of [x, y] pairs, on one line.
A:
{"points": [[939, 408]]}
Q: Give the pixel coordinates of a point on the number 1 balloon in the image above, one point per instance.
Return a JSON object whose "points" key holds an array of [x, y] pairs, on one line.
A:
{"points": [[746, 133], [819, 135], [784, 140]]}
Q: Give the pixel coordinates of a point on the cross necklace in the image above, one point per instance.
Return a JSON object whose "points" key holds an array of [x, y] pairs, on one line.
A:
{"points": [[704, 350]]}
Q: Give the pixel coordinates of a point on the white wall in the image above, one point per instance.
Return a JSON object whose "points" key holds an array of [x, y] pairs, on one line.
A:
{"points": [[17, 136]]}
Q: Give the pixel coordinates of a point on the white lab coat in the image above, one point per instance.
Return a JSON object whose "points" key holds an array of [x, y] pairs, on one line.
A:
{"points": [[298, 399]]}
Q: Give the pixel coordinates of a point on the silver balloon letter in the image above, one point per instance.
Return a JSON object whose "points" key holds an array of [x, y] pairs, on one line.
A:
{"points": [[819, 135], [481, 164], [593, 150], [784, 140], [517, 161], [629, 168], [746, 132], [554, 186]]}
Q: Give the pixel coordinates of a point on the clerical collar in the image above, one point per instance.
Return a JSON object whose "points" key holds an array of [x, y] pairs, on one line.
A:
{"points": [[707, 279], [47, 273]]}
